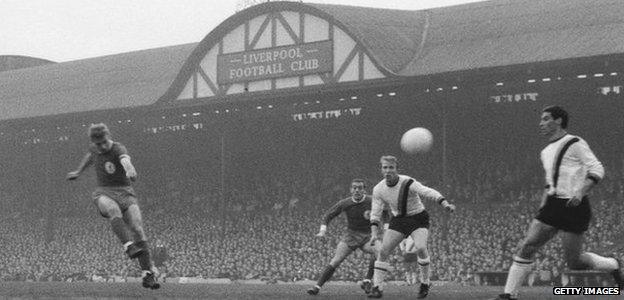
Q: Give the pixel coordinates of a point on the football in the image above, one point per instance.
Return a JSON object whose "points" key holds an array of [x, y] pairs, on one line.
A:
{"points": [[417, 140]]}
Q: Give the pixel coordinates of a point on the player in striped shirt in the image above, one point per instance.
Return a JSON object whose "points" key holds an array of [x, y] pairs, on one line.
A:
{"points": [[571, 170], [402, 194], [357, 209]]}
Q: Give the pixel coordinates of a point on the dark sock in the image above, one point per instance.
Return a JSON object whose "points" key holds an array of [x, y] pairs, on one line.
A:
{"points": [[327, 274], [121, 230], [371, 269], [145, 259]]}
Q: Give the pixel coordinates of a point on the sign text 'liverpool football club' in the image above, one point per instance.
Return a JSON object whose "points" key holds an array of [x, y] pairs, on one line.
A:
{"points": [[286, 61]]}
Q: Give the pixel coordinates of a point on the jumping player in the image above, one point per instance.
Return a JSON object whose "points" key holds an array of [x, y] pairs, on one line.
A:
{"points": [[409, 218], [115, 198], [571, 170], [356, 235]]}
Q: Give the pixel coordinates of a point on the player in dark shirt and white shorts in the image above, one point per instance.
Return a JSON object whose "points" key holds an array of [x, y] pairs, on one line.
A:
{"points": [[355, 236], [115, 198]]}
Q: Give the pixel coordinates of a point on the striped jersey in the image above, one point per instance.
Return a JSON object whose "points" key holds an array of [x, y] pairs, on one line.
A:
{"points": [[389, 195], [566, 176]]}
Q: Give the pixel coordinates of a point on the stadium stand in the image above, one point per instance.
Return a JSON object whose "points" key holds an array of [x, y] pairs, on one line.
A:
{"points": [[234, 185]]}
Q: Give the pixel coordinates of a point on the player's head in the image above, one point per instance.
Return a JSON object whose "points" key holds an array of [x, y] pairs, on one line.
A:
{"points": [[100, 136], [358, 188], [554, 118], [389, 165]]}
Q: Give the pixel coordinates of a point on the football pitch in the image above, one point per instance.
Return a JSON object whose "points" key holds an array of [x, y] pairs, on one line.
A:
{"points": [[90, 290]]}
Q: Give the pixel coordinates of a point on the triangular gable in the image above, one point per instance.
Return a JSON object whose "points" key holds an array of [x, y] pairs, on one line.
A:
{"points": [[263, 50]]}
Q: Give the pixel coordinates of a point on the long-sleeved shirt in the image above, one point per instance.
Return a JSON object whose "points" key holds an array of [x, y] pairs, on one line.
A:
{"points": [[357, 213], [389, 195], [578, 163]]}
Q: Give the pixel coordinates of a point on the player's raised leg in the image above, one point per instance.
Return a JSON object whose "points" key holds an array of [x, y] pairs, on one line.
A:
{"points": [[109, 209], [577, 260], [391, 240], [342, 251], [420, 237], [133, 218], [537, 235]]}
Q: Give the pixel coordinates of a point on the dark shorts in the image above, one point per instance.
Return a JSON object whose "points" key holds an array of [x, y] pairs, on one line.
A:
{"points": [[355, 239], [124, 196], [407, 225], [572, 219], [410, 257]]}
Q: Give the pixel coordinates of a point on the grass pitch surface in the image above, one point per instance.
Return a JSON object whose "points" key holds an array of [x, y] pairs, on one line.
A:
{"points": [[90, 290]]}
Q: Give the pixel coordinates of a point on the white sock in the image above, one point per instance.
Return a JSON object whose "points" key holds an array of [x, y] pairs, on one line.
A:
{"points": [[518, 271], [381, 268], [598, 262]]}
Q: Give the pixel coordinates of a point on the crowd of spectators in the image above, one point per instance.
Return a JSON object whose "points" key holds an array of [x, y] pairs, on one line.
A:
{"points": [[265, 229]]}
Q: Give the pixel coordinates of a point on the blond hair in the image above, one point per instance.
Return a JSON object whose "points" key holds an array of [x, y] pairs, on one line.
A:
{"points": [[389, 159]]}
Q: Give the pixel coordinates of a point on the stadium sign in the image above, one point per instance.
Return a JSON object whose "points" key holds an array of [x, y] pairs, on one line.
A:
{"points": [[285, 61]]}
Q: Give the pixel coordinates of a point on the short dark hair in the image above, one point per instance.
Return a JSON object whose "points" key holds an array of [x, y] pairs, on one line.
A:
{"points": [[98, 132], [557, 112], [358, 180]]}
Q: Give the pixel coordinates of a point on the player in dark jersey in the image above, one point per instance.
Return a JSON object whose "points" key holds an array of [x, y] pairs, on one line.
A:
{"points": [[356, 235], [115, 198]]}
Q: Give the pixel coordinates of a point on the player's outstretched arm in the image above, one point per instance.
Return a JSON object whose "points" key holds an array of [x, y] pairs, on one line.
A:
{"points": [[427, 192], [329, 215], [86, 162]]}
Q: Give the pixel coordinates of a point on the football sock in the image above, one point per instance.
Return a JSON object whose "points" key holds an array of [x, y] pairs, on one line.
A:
{"points": [[425, 272], [145, 259], [371, 268], [381, 268], [120, 230], [327, 274], [518, 271], [598, 262]]}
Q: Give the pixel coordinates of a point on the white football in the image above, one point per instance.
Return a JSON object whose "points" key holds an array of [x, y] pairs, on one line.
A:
{"points": [[417, 140]]}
